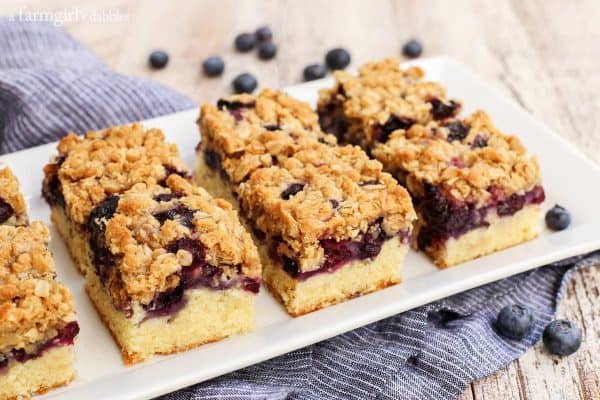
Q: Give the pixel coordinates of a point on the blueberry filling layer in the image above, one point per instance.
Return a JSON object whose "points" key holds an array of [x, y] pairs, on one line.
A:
{"points": [[102, 258], [51, 187], [6, 211], [292, 190], [332, 120], [381, 133], [447, 218], [457, 131], [198, 274], [234, 108], [64, 337], [180, 212], [441, 110], [339, 253]]}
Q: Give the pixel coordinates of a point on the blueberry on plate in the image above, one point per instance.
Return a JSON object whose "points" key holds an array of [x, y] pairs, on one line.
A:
{"points": [[412, 48], [263, 34], [245, 42], [314, 71], [213, 66], [562, 337], [515, 322], [337, 58], [158, 59], [244, 83], [267, 51], [558, 218]]}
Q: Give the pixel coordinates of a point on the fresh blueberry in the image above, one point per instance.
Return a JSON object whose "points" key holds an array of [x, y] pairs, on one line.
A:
{"points": [[314, 71], [213, 66], [158, 59], [244, 83], [558, 218], [245, 42], [337, 58], [263, 34], [515, 321], [562, 337], [412, 49], [267, 51]]}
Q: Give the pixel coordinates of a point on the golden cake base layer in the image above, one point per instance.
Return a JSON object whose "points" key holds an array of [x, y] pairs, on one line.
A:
{"points": [[503, 232], [209, 315], [75, 240], [321, 290], [53, 369], [325, 289]]}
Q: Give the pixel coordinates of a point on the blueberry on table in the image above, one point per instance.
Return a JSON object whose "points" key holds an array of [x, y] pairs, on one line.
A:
{"points": [[337, 58], [314, 71], [558, 218], [515, 322], [213, 66], [244, 83], [412, 49], [245, 42], [158, 59], [263, 34], [562, 337], [267, 51]]}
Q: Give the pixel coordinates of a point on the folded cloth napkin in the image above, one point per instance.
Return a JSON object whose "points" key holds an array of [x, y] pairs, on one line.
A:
{"points": [[50, 85]]}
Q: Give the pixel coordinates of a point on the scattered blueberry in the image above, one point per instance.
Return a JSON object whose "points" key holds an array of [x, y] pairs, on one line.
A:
{"points": [[562, 337], [515, 321], [263, 34], [558, 218], [158, 59], [267, 51], [412, 49], [213, 66], [337, 58], [245, 42], [314, 71], [244, 83]]}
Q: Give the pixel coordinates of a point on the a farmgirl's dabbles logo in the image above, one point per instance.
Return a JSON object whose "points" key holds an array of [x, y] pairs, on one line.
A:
{"points": [[67, 15]]}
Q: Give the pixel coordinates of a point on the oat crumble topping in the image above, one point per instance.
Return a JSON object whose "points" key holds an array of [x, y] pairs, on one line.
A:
{"points": [[33, 305], [102, 163]]}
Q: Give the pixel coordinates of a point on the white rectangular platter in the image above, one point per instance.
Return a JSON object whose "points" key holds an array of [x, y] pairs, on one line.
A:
{"points": [[569, 179]]}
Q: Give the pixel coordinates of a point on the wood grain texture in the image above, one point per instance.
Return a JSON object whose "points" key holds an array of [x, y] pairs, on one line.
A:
{"points": [[544, 54]]}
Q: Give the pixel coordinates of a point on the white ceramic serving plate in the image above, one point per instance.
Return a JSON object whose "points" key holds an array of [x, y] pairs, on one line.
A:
{"points": [[569, 179]]}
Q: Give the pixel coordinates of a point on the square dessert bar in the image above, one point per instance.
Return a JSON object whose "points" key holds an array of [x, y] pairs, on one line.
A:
{"points": [[475, 189], [173, 268], [329, 224], [37, 317], [13, 210], [167, 266], [366, 109]]}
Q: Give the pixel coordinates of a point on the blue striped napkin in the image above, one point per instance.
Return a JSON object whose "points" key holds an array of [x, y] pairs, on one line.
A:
{"points": [[50, 85]]}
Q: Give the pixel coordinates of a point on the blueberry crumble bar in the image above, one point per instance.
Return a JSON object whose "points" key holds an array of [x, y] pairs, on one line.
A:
{"points": [[329, 224], [13, 210], [167, 266], [37, 317], [475, 189]]}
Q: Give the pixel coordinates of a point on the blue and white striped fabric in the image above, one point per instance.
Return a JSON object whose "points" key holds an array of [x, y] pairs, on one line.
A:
{"points": [[50, 85]]}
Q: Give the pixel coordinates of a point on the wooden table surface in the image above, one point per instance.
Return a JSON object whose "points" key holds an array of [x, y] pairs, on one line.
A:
{"points": [[543, 54]]}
